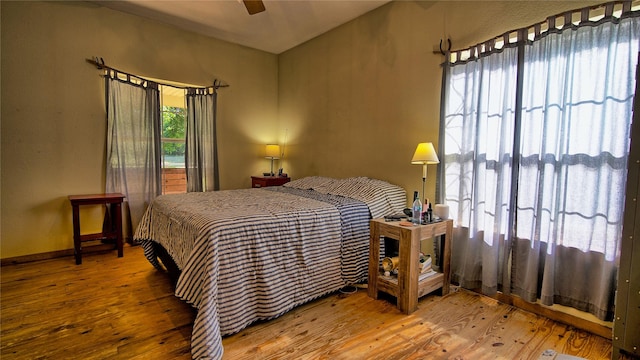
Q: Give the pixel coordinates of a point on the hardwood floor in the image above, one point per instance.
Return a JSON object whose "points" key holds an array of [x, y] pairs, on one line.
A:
{"points": [[123, 308]]}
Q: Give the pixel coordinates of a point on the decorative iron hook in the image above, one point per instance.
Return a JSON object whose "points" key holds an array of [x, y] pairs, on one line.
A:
{"points": [[449, 49]]}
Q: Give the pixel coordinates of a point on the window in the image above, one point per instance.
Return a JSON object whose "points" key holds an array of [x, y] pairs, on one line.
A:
{"points": [[536, 142], [173, 115], [144, 152]]}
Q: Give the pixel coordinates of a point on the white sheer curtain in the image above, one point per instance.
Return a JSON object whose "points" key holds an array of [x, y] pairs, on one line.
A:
{"points": [[133, 142], [576, 117], [560, 128], [479, 132], [201, 144]]}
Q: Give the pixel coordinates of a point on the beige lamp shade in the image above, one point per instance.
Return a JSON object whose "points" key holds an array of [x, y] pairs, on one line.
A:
{"points": [[425, 155], [272, 152]]}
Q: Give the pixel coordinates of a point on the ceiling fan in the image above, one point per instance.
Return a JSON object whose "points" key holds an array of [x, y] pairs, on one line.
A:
{"points": [[254, 6]]}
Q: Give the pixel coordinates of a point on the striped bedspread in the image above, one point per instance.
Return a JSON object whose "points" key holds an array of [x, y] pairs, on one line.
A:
{"points": [[254, 254]]}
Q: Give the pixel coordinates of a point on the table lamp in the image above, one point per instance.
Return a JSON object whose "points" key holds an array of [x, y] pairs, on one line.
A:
{"points": [[425, 155], [272, 152]]}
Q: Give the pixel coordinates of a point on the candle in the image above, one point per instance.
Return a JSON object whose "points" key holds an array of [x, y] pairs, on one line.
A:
{"points": [[442, 211]]}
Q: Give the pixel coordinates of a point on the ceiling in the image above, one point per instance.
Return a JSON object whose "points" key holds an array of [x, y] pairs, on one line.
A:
{"points": [[283, 25]]}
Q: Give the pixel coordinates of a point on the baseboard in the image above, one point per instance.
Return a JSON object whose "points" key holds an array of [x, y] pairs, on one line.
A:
{"points": [[54, 254], [35, 257], [559, 316]]}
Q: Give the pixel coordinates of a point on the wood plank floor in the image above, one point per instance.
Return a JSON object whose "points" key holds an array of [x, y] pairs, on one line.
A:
{"points": [[123, 308]]}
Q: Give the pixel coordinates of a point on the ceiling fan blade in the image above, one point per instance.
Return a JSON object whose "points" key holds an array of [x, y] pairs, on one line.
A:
{"points": [[254, 6]]}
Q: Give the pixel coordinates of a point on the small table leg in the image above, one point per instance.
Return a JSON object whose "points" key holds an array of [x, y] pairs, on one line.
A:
{"points": [[77, 244], [117, 215], [374, 258], [408, 251]]}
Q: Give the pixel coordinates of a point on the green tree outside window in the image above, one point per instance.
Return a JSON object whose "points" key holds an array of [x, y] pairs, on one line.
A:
{"points": [[173, 127]]}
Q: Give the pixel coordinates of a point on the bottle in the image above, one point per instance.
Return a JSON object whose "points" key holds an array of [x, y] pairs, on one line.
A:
{"points": [[416, 209], [424, 210], [429, 214]]}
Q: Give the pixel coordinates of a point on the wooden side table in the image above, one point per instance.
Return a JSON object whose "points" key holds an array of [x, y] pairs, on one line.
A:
{"points": [[264, 181], [112, 226], [406, 287]]}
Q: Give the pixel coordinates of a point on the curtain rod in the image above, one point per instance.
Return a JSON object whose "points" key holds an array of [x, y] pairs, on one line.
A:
{"points": [[624, 6], [99, 63]]}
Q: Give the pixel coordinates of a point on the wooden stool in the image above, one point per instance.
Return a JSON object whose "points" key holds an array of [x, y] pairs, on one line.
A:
{"points": [[112, 226]]}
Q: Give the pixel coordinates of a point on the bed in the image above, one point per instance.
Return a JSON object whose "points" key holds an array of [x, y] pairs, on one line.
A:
{"points": [[254, 254]]}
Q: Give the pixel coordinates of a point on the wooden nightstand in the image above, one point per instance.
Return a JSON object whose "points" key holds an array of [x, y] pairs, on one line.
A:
{"points": [[264, 181], [407, 287]]}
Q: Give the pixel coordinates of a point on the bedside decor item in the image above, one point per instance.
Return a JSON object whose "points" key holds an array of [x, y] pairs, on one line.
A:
{"points": [[442, 211], [425, 263], [272, 152], [416, 209], [424, 155], [390, 263]]}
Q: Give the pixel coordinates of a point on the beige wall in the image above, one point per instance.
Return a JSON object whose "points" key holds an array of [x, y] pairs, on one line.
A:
{"points": [[353, 102], [53, 117], [358, 100]]}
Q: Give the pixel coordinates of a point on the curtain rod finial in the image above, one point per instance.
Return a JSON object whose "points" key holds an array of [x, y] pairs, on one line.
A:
{"points": [[448, 49], [98, 62]]}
